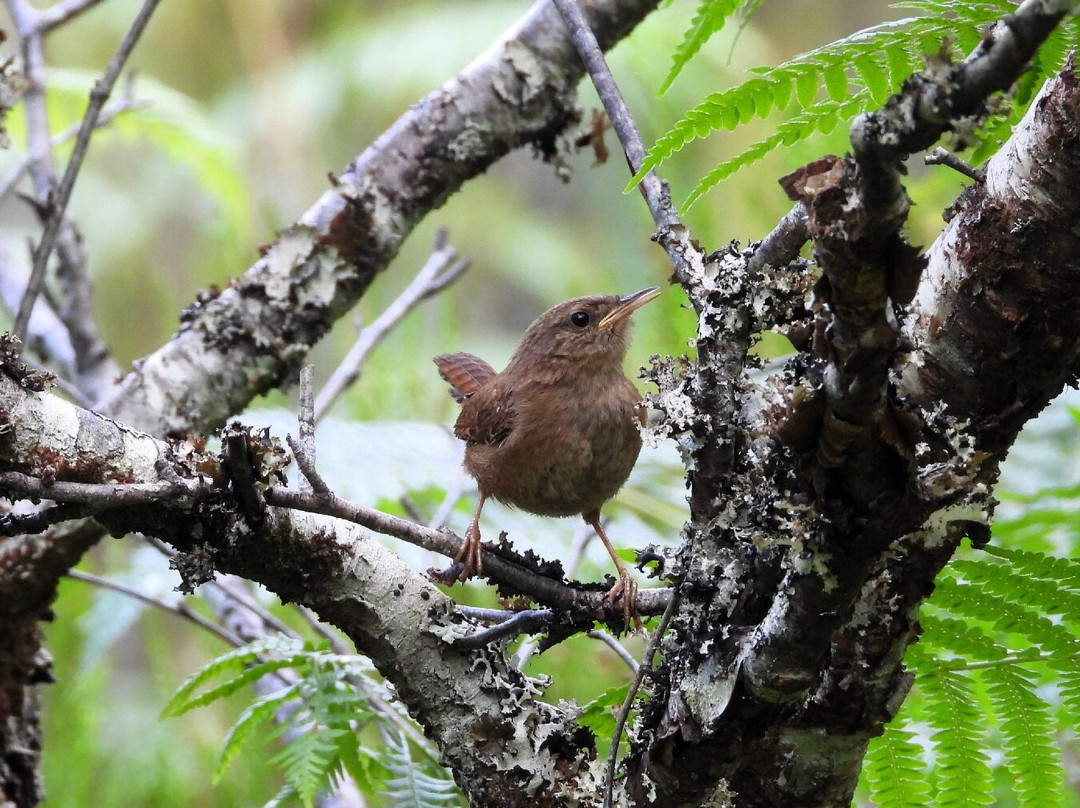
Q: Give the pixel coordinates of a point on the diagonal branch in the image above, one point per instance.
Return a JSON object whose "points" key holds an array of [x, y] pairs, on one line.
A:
{"points": [[256, 333], [59, 201]]}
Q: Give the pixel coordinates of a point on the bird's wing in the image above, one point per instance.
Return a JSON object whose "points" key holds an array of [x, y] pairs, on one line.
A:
{"points": [[464, 373], [487, 417]]}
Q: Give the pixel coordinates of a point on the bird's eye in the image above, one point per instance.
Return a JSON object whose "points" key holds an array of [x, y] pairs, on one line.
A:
{"points": [[580, 319]]}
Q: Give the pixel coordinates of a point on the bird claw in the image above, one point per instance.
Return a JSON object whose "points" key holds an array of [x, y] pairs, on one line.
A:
{"points": [[467, 563], [626, 587]]}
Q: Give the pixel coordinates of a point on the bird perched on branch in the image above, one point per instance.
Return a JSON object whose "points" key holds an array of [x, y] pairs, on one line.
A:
{"points": [[556, 432]]}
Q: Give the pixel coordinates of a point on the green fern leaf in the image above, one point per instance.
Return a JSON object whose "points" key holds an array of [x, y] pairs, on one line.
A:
{"points": [[416, 786], [308, 762], [895, 771], [964, 776], [869, 65], [1065, 571], [710, 17], [836, 81], [806, 86], [875, 78], [823, 119], [964, 639], [244, 665], [255, 715], [1027, 736]]}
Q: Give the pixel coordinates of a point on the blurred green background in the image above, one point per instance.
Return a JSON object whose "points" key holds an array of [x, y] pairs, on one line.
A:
{"points": [[253, 103]]}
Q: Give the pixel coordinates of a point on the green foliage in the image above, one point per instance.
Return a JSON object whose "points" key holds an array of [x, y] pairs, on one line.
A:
{"points": [[837, 81], [710, 18], [997, 630], [896, 772], [412, 786], [171, 122], [317, 711]]}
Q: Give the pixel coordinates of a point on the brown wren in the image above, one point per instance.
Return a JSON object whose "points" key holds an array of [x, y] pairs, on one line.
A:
{"points": [[556, 432]]}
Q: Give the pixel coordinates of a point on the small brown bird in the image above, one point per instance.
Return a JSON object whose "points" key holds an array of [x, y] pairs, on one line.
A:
{"points": [[556, 433]]}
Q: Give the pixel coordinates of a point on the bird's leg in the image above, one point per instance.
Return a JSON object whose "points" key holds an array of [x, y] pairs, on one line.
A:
{"points": [[625, 586], [469, 554]]}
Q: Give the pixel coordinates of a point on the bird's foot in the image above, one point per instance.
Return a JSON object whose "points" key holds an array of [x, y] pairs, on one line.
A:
{"points": [[467, 562], [627, 588]]}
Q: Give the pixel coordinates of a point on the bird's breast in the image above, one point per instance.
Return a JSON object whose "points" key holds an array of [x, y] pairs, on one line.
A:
{"points": [[570, 449]]}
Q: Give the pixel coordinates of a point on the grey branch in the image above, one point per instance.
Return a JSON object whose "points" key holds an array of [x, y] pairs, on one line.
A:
{"points": [[59, 201], [550, 592], [441, 269]]}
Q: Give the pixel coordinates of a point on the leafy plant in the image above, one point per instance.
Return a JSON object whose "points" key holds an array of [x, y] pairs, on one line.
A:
{"points": [[837, 81], [317, 710], [997, 668]]}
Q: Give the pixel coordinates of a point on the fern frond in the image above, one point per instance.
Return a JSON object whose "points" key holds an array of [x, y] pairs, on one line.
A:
{"points": [[308, 762], [865, 67], [415, 786], [710, 17], [823, 119], [243, 665], [895, 771], [255, 715], [1019, 589], [963, 639], [964, 776], [1065, 571], [1027, 735]]}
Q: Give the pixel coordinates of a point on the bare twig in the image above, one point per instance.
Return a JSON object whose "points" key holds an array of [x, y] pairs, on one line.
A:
{"points": [[782, 245], [179, 609], [127, 103], [103, 495], [552, 593], [16, 524], [687, 258], [526, 622], [60, 13], [618, 113], [628, 703], [58, 204], [304, 447], [617, 647], [442, 268], [943, 157], [234, 588]]}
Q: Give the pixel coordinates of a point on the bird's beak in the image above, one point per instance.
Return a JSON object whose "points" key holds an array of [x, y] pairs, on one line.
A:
{"points": [[628, 305]]}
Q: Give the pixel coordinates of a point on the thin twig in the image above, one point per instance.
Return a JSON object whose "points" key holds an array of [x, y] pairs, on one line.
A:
{"points": [[628, 703], [303, 448], [59, 202], [242, 597], [103, 495], [552, 593], [441, 269], [337, 645], [622, 122], [179, 609], [944, 157], [526, 622], [583, 535], [125, 104], [60, 13], [16, 524], [453, 491], [617, 647]]}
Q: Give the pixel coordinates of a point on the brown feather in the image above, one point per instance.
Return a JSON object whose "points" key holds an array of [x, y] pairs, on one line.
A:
{"points": [[464, 372]]}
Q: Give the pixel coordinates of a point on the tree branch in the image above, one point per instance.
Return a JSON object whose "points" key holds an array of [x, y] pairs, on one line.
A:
{"points": [[231, 349], [59, 201]]}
